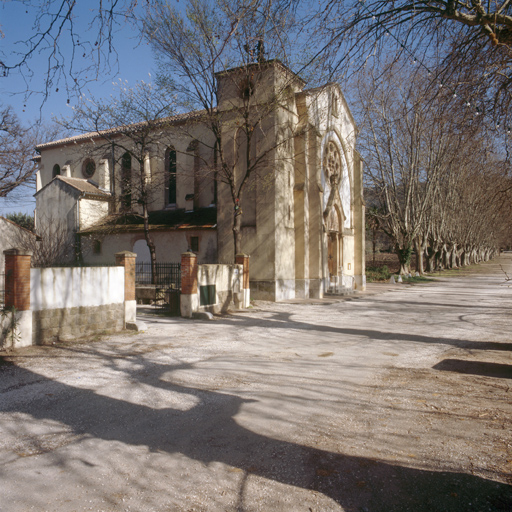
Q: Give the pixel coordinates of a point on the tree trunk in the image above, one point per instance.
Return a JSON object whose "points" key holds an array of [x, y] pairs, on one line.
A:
{"points": [[419, 248], [150, 244], [237, 230], [429, 256], [374, 244], [404, 258], [445, 256]]}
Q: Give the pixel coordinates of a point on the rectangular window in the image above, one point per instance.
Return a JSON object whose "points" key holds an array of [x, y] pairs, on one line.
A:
{"points": [[207, 295], [194, 243]]}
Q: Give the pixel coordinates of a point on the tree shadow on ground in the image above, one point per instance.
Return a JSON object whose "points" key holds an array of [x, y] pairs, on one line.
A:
{"points": [[496, 370], [209, 432], [285, 320]]}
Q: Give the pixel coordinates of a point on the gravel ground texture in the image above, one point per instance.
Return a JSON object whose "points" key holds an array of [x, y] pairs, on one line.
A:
{"points": [[397, 399]]}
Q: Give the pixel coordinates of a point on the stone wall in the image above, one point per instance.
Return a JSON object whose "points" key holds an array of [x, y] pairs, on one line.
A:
{"points": [[51, 325]]}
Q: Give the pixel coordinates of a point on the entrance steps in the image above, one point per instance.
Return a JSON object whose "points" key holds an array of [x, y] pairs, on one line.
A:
{"points": [[340, 291]]}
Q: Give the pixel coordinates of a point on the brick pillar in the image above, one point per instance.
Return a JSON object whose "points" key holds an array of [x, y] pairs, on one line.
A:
{"points": [[188, 273], [17, 279], [243, 259], [16, 326], [188, 300], [126, 259]]}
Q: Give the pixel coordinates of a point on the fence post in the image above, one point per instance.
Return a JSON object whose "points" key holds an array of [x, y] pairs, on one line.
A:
{"points": [[189, 300], [126, 259], [17, 298], [243, 259]]}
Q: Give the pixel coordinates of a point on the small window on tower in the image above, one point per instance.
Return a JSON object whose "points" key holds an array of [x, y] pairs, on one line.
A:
{"points": [[56, 170]]}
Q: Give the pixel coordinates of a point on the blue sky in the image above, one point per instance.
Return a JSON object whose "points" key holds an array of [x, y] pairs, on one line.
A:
{"points": [[135, 62]]}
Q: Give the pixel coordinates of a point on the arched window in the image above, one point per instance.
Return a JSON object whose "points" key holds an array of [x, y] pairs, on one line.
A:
{"points": [[170, 176], [56, 170], [216, 172], [88, 168], [126, 181]]}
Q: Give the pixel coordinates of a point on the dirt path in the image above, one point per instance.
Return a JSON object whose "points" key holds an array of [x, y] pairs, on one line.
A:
{"points": [[397, 400]]}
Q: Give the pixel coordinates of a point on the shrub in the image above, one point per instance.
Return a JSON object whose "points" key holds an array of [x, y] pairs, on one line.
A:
{"points": [[377, 274]]}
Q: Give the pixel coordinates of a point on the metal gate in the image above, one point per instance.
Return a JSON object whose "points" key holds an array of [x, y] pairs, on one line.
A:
{"points": [[162, 290]]}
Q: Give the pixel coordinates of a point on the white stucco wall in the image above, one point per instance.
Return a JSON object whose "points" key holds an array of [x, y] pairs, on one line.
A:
{"points": [[91, 211], [73, 155], [57, 204], [224, 277], [58, 288]]}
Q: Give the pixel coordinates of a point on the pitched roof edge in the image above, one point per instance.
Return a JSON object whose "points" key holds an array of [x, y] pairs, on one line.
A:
{"points": [[119, 130]]}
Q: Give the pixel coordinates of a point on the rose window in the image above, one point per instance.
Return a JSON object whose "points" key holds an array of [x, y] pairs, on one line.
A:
{"points": [[332, 160]]}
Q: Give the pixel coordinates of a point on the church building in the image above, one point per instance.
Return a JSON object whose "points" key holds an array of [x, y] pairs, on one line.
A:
{"points": [[275, 160]]}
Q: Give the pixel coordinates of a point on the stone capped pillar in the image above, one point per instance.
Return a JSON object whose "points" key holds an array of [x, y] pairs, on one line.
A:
{"points": [[189, 301], [17, 324], [243, 259], [126, 259]]}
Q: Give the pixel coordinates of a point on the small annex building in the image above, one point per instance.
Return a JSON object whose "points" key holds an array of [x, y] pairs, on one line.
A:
{"points": [[303, 219]]}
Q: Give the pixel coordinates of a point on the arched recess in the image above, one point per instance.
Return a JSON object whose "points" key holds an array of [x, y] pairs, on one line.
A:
{"points": [[56, 170], [170, 177], [141, 249], [344, 183]]}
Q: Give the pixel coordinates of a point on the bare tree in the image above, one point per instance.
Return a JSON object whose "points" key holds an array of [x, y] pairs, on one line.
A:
{"points": [[409, 140], [76, 45], [17, 144], [53, 245], [466, 46], [127, 128], [198, 51]]}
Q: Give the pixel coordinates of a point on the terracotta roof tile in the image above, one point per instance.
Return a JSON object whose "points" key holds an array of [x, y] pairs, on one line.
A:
{"points": [[179, 118], [82, 185]]}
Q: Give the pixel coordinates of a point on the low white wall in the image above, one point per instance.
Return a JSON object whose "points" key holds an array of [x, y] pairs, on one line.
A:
{"points": [[224, 277], [59, 288]]}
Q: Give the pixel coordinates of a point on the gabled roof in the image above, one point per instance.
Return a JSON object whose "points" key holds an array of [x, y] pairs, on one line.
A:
{"points": [[161, 220], [81, 185], [118, 130], [322, 88]]}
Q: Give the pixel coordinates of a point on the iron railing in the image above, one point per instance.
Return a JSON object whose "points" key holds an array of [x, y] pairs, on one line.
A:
{"points": [[166, 274]]}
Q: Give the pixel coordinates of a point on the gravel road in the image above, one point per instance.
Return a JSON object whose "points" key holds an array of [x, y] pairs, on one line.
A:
{"points": [[394, 400]]}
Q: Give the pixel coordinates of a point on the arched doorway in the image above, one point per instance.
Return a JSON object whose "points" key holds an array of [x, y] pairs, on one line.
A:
{"points": [[334, 241]]}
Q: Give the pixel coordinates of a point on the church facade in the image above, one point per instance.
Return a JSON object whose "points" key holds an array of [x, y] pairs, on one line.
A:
{"points": [[301, 207]]}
